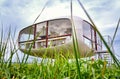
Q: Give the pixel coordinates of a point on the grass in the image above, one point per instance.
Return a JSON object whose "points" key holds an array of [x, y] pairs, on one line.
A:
{"points": [[60, 68]]}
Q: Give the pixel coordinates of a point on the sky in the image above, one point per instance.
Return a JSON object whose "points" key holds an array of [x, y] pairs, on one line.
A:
{"points": [[18, 14]]}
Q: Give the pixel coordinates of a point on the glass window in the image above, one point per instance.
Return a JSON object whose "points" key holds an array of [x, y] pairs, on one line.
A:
{"points": [[27, 34], [88, 42], [26, 37], [59, 31], [59, 27], [99, 43], [86, 29], [87, 34], [41, 30]]}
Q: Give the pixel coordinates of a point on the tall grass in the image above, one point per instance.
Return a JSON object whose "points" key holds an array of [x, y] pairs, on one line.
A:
{"points": [[115, 32], [75, 43], [60, 68]]}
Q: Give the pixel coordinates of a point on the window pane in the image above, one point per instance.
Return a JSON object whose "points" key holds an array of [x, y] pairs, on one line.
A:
{"points": [[99, 43], [41, 31], [59, 27], [60, 31], [88, 42], [87, 29], [27, 34]]}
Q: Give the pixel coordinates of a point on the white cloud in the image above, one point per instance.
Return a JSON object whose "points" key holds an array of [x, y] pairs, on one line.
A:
{"points": [[104, 13], [1, 2], [116, 4]]}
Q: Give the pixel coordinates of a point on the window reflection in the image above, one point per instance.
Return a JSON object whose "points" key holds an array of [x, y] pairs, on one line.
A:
{"points": [[59, 27], [86, 29], [59, 31], [41, 30], [87, 34], [90, 37], [46, 34], [27, 34]]}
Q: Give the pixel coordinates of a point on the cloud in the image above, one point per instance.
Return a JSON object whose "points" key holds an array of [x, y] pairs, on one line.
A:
{"points": [[22, 13], [2, 1], [105, 13], [21, 9]]}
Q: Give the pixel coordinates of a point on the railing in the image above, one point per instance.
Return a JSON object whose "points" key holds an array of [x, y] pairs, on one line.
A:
{"points": [[104, 54], [108, 39], [94, 43]]}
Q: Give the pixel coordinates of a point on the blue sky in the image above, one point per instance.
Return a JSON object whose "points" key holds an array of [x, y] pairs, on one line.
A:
{"points": [[21, 13]]}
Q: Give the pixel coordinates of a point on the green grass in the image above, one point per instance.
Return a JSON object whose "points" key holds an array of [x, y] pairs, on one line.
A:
{"points": [[60, 68]]}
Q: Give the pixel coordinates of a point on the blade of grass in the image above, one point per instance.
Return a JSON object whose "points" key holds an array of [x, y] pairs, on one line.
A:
{"points": [[4, 46], [115, 32], [1, 45], [41, 11], [75, 42]]}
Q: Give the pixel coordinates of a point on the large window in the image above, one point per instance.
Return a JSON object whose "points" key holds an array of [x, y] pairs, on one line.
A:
{"points": [[46, 34], [91, 37], [59, 27], [27, 34], [86, 29], [41, 30], [87, 34], [26, 37], [59, 31]]}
